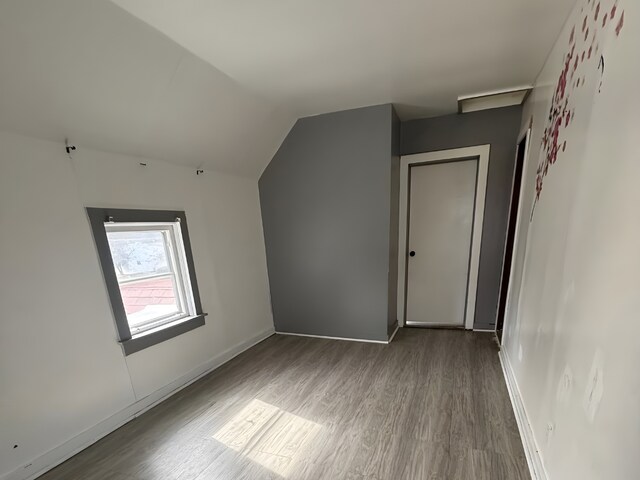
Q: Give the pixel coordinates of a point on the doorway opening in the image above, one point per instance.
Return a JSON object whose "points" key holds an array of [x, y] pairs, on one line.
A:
{"points": [[506, 280]]}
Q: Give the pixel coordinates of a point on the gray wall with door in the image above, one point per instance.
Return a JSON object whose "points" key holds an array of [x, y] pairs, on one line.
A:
{"points": [[498, 127], [330, 224]]}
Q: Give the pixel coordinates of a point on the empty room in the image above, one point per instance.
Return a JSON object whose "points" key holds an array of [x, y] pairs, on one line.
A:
{"points": [[319, 240]]}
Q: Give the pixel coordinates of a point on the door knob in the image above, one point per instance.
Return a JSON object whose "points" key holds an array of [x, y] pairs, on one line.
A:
{"points": [[412, 253]]}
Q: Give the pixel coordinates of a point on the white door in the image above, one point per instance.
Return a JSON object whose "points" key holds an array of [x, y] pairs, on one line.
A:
{"points": [[441, 208]]}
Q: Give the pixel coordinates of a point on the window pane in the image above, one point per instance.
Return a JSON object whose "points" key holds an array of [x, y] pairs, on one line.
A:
{"points": [[138, 253], [147, 300], [143, 268]]}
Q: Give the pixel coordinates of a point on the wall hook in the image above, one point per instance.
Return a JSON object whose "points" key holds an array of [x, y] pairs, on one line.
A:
{"points": [[199, 171], [69, 148]]}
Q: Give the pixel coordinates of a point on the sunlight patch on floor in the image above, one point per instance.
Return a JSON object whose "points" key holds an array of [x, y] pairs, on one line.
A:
{"points": [[268, 435]]}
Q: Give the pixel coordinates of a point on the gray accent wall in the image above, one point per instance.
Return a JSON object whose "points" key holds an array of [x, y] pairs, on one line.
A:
{"points": [[329, 211], [499, 128]]}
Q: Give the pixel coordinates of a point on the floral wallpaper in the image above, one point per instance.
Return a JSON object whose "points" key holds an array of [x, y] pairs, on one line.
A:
{"points": [[583, 58]]}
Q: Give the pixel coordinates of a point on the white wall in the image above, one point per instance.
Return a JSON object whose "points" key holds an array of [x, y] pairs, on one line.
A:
{"points": [[61, 370], [573, 342]]}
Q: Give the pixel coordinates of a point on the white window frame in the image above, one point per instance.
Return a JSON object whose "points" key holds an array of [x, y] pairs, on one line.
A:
{"points": [[178, 270], [174, 224]]}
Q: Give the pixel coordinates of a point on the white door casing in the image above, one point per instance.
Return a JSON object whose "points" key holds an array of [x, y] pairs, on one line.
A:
{"points": [[481, 153], [522, 234]]}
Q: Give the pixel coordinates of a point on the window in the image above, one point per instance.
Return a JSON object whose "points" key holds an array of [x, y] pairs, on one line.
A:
{"points": [[149, 263], [148, 269]]}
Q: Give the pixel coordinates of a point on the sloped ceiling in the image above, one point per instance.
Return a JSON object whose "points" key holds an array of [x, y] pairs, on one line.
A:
{"points": [[88, 70], [315, 56], [218, 84]]}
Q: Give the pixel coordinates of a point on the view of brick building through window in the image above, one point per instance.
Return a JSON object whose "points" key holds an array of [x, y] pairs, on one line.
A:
{"points": [[156, 291], [145, 272]]}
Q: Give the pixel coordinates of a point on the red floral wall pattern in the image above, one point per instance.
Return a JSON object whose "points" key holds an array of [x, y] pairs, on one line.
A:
{"points": [[583, 55]]}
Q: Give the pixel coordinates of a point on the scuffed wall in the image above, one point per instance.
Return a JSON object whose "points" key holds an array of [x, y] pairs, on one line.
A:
{"points": [[572, 329]]}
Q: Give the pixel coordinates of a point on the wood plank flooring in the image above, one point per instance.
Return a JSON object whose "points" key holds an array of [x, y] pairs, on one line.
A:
{"points": [[431, 405]]}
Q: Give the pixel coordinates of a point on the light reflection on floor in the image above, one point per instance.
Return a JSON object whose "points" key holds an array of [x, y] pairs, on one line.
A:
{"points": [[272, 437]]}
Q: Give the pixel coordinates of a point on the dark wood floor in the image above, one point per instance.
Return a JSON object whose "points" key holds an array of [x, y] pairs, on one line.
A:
{"points": [[432, 405]]}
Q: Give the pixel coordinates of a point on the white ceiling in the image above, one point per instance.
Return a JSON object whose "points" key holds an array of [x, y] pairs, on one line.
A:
{"points": [[219, 83], [315, 56], [88, 70]]}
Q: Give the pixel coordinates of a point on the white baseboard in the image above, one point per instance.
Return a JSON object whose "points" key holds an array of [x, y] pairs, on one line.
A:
{"points": [[531, 449], [56, 456], [384, 342], [394, 333]]}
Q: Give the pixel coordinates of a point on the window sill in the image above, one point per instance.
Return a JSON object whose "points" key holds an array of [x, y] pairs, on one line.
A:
{"points": [[165, 332]]}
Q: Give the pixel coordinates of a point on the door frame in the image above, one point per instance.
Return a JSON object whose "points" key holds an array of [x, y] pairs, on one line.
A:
{"points": [[481, 152], [524, 135]]}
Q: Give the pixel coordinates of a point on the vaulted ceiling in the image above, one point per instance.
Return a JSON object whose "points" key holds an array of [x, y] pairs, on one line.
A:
{"points": [[88, 70], [315, 56], [219, 83]]}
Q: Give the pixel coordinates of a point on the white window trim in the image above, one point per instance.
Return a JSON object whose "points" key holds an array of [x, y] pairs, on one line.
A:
{"points": [[135, 341], [178, 270]]}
